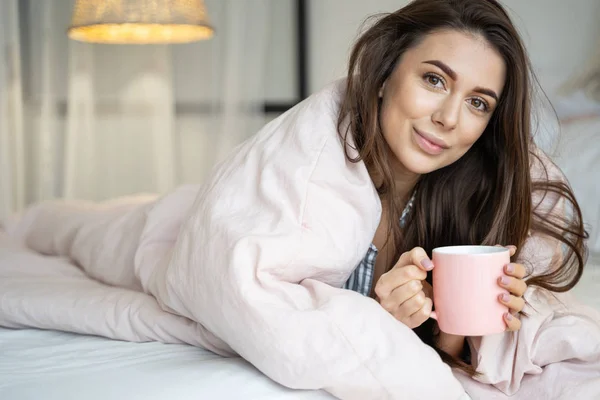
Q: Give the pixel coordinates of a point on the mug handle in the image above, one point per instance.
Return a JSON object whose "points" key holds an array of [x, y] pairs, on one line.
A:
{"points": [[433, 315]]}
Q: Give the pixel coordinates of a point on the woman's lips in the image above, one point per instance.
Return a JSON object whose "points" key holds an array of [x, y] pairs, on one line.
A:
{"points": [[427, 145]]}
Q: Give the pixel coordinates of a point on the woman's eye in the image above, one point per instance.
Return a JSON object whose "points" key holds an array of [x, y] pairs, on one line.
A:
{"points": [[479, 104], [434, 80]]}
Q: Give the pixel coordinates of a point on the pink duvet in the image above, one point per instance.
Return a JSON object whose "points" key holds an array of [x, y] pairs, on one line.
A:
{"points": [[240, 266]]}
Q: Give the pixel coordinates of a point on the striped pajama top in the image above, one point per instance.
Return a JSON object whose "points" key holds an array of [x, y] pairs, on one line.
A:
{"points": [[361, 279]]}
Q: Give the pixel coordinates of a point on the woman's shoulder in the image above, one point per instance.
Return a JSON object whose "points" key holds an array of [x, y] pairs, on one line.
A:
{"points": [[292, 182], [304, 128], [299, 158]]}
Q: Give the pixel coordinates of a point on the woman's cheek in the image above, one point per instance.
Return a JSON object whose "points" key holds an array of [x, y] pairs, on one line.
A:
{"points": [[472, 129], [423, 103]]}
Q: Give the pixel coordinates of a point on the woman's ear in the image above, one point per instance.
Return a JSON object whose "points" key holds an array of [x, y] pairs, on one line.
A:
{"points": [[381, 90]]}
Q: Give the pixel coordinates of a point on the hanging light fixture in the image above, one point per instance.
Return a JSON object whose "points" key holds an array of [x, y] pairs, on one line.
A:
{"points": [[139, 21]]}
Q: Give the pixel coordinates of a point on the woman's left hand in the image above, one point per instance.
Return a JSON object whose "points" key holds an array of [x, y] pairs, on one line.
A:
{"points": [[516, 286]]}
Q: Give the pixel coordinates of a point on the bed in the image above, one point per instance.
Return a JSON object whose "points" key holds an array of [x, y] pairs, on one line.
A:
{"points": [[36, 364], [45, 364]]}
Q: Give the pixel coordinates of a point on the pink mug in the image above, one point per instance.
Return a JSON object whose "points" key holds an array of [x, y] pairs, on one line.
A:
{"points": [[466, 290]]}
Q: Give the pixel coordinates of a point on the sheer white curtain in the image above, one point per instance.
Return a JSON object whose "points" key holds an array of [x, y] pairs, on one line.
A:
{"points": [[12, 159], [98, 121], [221, 84], [120, 121]]}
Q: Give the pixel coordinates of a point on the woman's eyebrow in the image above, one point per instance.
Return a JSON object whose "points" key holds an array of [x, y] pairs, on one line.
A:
{"points": [[452, 74], [444, 67], [488, 92]]}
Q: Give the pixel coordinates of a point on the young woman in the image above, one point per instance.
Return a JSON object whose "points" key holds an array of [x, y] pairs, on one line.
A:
{"points": [[306, 251], [438, 99]]}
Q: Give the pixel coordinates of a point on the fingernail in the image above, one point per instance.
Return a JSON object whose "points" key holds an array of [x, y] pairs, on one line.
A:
{"points": [[427, 264], [505, 297], [504, 281], [508, 316], [511, 247], [510, 267]]}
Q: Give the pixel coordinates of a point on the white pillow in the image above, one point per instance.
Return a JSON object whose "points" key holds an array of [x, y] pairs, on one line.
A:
{"points": [[578, 156]]}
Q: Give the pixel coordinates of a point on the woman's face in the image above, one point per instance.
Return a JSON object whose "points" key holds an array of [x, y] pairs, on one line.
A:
{"points": [[439, 99]]}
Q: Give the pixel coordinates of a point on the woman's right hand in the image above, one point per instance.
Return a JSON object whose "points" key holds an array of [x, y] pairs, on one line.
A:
{"points": [[402, 290]]}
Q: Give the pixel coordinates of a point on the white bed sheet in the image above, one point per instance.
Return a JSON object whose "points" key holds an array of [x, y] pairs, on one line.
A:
{"points": [[51, 365]]}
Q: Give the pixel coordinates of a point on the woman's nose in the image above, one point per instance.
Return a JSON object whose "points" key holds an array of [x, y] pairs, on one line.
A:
{"points": [[448, 114]]}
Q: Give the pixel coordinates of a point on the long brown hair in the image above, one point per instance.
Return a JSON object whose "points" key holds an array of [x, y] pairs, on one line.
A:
{"points": [[486, 196]]}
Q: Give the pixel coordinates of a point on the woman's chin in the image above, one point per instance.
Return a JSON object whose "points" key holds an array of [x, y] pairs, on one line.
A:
{"points": [[422, 170], [420, 164]]}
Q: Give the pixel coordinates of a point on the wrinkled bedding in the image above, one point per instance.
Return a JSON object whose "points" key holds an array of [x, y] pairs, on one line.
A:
{"points": [[239, 268]]}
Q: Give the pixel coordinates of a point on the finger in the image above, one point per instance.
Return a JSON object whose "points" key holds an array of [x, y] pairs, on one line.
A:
{"points": [[422, 315], [516, 270], [512, 323], [511, 249], [417, 256], [427, 289], [400, 295], [397, 277], [410, 306], [515, 286], [515, 304]]}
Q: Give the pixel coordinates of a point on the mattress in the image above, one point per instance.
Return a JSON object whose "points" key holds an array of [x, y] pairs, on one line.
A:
{"points": [[51, 365]]}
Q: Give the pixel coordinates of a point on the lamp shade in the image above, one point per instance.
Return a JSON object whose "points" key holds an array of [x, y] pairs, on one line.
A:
{"points": [[139, 21]]}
